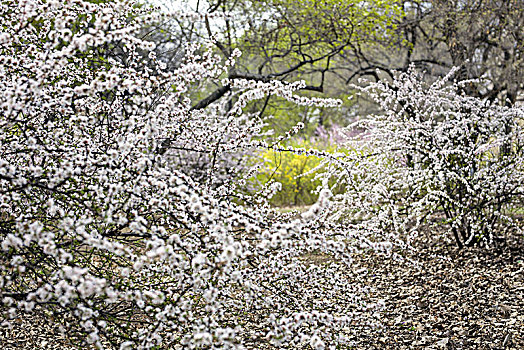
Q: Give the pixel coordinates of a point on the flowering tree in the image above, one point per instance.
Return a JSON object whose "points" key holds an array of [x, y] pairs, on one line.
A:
{"points": [[103, 233], [433, 152]]}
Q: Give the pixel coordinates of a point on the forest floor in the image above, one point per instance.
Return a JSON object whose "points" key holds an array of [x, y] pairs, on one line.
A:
{"points": [[445, 298]]}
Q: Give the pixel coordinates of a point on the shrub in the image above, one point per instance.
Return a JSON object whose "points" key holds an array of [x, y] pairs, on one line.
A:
{"points": [[103, 233], [434, 152]]}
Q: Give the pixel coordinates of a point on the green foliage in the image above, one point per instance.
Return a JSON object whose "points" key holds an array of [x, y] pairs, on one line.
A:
{"points": [[346, 20], [330, 22]]}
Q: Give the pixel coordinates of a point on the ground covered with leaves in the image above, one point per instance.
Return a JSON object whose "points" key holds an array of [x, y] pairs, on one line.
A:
{"points": [[446, 299], [437, 297]]}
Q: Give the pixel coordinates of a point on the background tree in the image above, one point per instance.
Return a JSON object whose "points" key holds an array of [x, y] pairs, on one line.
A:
{"points": [[345, 40], [484, 38], [291, 40]]}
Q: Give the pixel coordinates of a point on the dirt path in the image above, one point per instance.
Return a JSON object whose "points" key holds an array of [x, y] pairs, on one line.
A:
{"points": [[471, 299]]}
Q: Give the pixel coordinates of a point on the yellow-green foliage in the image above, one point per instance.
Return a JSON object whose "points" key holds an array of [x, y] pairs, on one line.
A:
{"points": [[325, 22], [294, 172]]}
